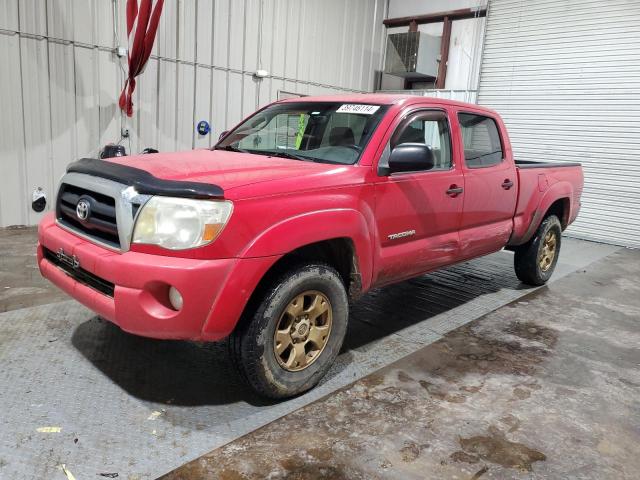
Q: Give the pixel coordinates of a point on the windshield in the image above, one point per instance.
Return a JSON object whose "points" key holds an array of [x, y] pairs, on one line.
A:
{"points": [[329, 132]]}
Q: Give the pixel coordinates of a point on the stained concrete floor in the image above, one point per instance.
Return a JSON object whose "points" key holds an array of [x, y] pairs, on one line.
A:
{"points": [[545, 387], [21, 284], [77, 391]]}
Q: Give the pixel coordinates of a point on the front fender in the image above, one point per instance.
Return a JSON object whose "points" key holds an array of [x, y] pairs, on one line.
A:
{"points": [[313, 227], [268, 247]]}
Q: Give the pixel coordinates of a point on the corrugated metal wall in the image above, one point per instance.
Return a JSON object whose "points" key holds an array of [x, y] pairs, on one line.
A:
{"points": [[565, 75], [60, 81]]}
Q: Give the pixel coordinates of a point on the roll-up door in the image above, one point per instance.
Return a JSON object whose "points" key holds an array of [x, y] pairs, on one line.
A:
{"points": [[565, 76]]}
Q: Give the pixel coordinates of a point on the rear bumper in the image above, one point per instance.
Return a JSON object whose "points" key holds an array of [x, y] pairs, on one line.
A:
{"points": [[139, 303]]}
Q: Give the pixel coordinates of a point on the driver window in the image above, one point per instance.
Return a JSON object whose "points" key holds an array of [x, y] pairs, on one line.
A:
{"points": [[429, 128]]}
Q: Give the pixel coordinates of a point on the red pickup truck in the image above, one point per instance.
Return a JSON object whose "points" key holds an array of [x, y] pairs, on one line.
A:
{"points": [[306, 204]]}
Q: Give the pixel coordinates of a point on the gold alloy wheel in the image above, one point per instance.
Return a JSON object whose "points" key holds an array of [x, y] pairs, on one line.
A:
{"points": [[303, 330], [548, 251]]}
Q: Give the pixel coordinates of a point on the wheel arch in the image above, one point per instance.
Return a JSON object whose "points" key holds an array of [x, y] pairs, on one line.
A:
{"points": [[339, 253], [555, 201], [560, 208], [339, 238]]}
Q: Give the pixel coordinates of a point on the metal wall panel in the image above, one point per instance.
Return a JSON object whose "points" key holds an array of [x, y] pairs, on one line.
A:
{"points": [[146, 127], [87, 120], [33, 18], [110, 82], [167, 104], [185, 106], [565, 75], [59, 95], [12, 151], [36, 118], [202, 105], [63, 109], [9, 14]]}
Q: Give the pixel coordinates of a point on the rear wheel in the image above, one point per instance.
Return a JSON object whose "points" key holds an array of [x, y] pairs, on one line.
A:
{"points": [[294, 333], [536, 260]]}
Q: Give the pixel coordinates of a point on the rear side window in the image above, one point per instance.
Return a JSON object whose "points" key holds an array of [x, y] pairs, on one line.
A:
{"points": [[482, 146]]}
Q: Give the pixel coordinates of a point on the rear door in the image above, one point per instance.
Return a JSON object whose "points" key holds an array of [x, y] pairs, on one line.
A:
{"points": [[490, 191], [418, 213]]}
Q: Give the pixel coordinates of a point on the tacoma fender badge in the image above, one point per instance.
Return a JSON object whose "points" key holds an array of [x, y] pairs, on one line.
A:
{"points": [[396, 236]]}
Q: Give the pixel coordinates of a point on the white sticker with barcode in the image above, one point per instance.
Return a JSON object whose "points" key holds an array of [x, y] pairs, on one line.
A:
{"points": [[358, 108]]}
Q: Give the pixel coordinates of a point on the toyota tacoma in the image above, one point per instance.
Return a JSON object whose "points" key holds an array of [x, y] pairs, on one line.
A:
{"points": [[298, 210]]}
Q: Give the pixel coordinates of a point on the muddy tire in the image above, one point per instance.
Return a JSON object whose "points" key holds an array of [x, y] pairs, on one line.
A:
{"points": [[535, 261], [293, 332]]}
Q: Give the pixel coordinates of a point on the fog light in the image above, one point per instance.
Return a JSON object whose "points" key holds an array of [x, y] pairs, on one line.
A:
{"points": [[175, 298]]}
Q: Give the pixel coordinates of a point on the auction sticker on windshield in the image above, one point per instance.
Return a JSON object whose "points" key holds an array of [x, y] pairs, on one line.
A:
{"points": [[357, 108]]}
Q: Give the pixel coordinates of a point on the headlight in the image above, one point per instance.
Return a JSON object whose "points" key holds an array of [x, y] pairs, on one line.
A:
{"points": [[181, 223]]}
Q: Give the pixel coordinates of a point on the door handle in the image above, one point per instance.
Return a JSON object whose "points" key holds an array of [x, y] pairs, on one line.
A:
{"points": [[454, 190], [507, 184]]}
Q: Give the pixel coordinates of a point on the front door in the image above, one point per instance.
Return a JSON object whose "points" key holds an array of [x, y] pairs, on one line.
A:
{"points": [[418, 213]]}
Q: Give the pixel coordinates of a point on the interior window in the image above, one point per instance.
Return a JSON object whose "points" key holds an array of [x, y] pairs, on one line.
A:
{"points": [[429, 128], [345, 125], [482, 146], [283, 131]]}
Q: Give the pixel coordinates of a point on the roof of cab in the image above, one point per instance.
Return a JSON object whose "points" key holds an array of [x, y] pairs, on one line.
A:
{"points": [[384, 99]]}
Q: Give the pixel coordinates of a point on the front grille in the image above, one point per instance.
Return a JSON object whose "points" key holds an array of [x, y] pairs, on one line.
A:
{"points": [[80, 274], [100, 224]]}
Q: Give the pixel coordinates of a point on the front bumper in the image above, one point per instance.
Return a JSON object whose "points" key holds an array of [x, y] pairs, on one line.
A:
{"points": [[141, 282]]}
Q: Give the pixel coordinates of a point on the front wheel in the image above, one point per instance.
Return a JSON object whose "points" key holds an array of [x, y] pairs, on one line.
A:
{"points": [[535, 261], [289, 341]]}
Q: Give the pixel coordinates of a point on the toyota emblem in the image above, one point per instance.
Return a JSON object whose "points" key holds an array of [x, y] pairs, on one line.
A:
{"points": [[83, 209]]}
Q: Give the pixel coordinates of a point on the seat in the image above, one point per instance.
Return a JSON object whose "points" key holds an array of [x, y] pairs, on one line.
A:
{"points": [[341, 136]]}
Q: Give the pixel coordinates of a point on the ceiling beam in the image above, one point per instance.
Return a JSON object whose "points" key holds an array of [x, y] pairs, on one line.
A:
{"points": [[444, 53], [460, 14]]}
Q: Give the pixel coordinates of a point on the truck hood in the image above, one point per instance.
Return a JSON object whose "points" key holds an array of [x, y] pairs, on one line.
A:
{"points": [[228, 170]]}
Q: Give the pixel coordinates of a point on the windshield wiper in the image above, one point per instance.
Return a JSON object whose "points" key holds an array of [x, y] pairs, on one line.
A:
{"points": [[231, 148], [282, 154], [292, 156]]}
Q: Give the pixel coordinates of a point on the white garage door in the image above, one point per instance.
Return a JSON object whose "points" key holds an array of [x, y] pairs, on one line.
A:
{"points": [[565, 75]]}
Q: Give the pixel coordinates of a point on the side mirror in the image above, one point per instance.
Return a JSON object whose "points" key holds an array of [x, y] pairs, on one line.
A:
{"points": [[223, 134], [411, 157]]}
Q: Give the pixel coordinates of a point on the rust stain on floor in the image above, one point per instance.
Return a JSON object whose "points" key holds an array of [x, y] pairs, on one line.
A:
{"points": [[495, 448]]}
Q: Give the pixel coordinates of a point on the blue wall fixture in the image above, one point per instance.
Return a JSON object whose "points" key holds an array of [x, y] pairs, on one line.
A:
{"points": [[203, 127]]}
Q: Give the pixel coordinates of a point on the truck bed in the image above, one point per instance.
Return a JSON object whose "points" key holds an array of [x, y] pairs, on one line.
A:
{"points": [[532, 164]]}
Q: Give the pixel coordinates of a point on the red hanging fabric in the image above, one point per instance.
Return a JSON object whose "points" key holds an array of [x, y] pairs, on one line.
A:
{"points": [[142, 25]]}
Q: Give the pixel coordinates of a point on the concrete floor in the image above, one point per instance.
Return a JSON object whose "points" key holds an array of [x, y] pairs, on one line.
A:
{"points": [[76, 390], [21, 284], [546, 387]]}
